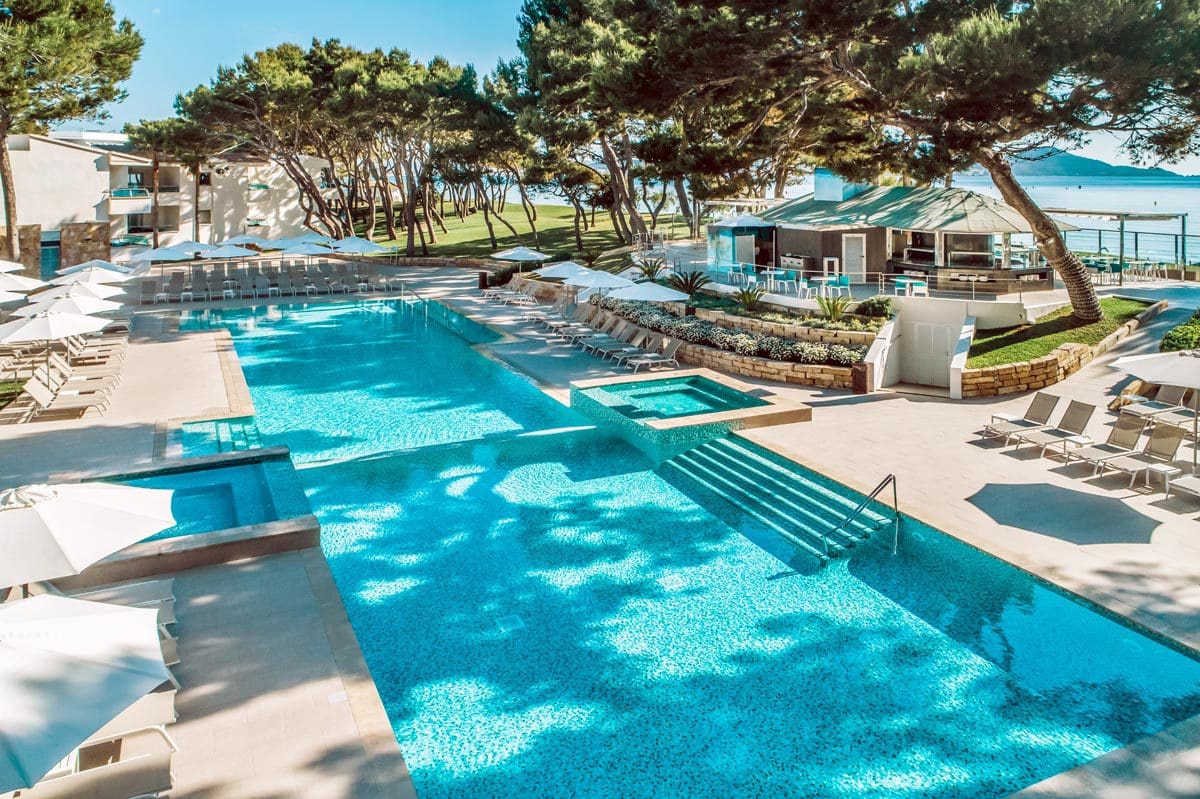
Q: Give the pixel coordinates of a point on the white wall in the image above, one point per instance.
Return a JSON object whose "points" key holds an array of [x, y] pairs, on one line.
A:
{"points": [[989, 314], [57, 183]]}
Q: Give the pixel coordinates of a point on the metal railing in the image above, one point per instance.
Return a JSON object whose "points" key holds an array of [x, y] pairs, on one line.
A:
{"points": [[862, 506], [406, 292]]}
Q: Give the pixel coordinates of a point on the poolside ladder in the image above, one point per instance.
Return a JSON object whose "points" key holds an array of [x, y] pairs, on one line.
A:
{"points": [[854, 514], [406, 293]]}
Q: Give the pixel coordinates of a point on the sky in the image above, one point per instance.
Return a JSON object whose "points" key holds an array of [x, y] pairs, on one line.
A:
{"points": [[186, 40]]}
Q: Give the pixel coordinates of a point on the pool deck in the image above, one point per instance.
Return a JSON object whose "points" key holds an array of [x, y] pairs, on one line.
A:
{"points": [[1129, 551]]}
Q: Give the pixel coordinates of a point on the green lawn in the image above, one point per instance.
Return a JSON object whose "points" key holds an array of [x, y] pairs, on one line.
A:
{"points": [[1024, 343], [555, 234], [9, 391]]}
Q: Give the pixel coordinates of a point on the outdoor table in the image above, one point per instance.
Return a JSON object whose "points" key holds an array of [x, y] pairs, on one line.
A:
{"points": [[1166, 470], [1077, 442], [771, 274], [906, 283], [823, 283]]}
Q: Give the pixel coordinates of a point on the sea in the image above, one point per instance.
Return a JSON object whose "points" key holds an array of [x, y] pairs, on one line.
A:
{"points": [[1154, 239]]}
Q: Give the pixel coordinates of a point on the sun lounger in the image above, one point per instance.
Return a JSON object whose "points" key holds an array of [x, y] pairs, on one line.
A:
{"points": [[632, 343], [652, 342], [134, 765], [1036, 417], [1073, 425], [1161, 447], [664, 358], [157, 594], [155, 709], [616, 337], [37, 399], [1167, 398], [1184, 417], [1187, 484], [1122, 439]]}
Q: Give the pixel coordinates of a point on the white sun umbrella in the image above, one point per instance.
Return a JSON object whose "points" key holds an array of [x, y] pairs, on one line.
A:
{"points": [[354, 245], [100, 291], [522, 255], [192, 247], [238, 241], [69, 305], [47, 326], [93, 275], [11, 296], [10, 266], [566, 269], [52, 531], [306, 250], [596, 282], [67, 668], [95, 263], [165, 254], [10, 282], [230, 251], [1180, 369], [648, 292]]}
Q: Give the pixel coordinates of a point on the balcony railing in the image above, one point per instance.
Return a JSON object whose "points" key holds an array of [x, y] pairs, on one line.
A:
{"points": [[149, 229], [140, 192]]}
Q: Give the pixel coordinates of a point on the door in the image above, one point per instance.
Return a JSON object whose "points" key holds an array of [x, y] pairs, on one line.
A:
{"points": [[51, 259], [854, 257], [743, 249], [926, 355]]}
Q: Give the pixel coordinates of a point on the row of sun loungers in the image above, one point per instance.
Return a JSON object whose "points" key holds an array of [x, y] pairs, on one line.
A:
{"points": [[131, 755], [608, 335], [71, 382], [254, 282], [1167, 425]]}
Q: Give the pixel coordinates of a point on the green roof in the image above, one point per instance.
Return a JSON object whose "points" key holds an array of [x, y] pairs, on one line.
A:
{"points": [[949, 210]]}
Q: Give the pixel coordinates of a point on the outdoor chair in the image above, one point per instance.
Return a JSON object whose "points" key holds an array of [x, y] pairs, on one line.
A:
{"points": [[1161, 448], [652, 342], [1036, 417], [664, 358], [1073, 425], [1167, 398], [133, 765], [630, 341], [1187, 484], [1184, 418], [617, 336]]}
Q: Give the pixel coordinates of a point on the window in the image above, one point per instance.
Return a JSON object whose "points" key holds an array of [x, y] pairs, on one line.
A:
{"points": [[204, 216], [256, 223], [206, 178]]}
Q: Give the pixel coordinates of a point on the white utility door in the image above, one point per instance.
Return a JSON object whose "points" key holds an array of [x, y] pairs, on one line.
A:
{"points": [[926, 355], [854, 257], [743, 249]]}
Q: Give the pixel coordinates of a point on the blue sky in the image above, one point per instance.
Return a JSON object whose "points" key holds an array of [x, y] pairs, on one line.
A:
{"points": [[187, 39]]}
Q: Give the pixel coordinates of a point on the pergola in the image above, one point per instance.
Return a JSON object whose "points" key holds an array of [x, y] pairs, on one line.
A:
{"points": [[1122, 217]]}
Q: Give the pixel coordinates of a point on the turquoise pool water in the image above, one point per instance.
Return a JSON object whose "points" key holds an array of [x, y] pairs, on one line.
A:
{"points": [[211, 499], [671, 397], [547, 614]]}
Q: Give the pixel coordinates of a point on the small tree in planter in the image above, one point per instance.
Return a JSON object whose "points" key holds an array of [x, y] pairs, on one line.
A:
{"points": [[749, 298], [689, 283]]}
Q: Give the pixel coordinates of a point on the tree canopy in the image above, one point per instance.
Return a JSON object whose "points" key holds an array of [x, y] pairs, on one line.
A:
{"points": [[59, 60]]}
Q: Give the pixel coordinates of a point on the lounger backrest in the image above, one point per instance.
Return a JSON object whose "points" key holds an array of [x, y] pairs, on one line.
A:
{"points": [[1041, 408], [639, 338], [619, 329], [671, 348], [1076, 419], [1171, 395], [39, 392], [1164, 441]]}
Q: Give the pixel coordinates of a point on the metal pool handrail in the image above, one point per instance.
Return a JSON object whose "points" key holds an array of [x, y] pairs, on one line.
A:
{"points": [[405, 291], [891, 478]]}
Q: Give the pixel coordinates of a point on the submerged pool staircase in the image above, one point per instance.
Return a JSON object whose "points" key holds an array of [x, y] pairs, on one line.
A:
{"points": [[813, 517]]}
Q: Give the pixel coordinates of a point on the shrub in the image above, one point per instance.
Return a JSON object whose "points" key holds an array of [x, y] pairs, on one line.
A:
{"points": [[749, 298], [689, 283], [590, 256], [743, 342], [879, 307], [1183, 337], [650, 268], [834, 308]]}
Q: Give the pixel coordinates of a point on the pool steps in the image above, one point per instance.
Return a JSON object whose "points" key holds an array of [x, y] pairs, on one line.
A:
{"points": [[783, 499]]}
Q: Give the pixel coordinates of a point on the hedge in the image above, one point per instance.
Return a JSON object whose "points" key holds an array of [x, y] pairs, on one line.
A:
{"points": [[1183, 337]]}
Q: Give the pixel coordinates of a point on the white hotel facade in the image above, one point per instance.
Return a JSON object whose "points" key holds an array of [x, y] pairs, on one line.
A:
{"points": [[68, 178]]}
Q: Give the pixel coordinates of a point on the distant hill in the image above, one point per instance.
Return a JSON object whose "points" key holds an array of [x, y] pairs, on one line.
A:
{"points": [[1049, 162]]}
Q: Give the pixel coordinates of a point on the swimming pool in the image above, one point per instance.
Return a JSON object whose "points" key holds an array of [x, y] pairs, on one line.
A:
{"points": [[211, 499], [671, 398], [547, 612]]}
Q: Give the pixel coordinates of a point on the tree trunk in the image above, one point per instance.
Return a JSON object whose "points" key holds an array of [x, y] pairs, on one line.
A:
{"points": [[10, 198], [1049, 240], [685, 207], [195, 202], [618, 182], [154, 198], [487, 201], [578, 215], [487, 219], [530, 213], [427, 213]]}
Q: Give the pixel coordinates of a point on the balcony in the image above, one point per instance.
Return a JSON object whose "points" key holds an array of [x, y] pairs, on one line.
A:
{"points": [[171, 227]]}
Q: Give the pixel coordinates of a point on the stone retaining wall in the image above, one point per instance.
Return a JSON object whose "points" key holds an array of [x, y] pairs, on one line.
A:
{"points": [[792, 332], [542, 289], [1064, 361], [753, 366]]}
